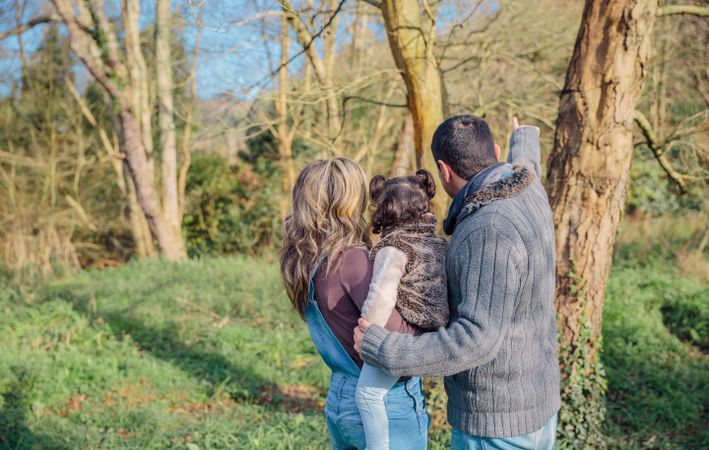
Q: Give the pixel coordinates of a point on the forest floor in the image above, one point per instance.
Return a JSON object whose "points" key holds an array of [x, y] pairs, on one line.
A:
{"points": [[208, 354]]}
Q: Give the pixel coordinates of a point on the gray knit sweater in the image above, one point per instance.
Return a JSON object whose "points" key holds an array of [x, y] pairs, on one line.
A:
{"points": [[498, 353]]}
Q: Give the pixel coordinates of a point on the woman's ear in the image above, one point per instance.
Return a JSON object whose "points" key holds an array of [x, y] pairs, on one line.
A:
{"points": [[375, 187], [425, 178]]}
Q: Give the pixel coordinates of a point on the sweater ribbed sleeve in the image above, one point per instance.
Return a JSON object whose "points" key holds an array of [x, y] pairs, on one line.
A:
{"points": [[524, 149], [488, 273]]}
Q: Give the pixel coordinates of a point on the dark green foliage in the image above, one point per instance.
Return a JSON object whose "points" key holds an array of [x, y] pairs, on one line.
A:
{"points": [[230, 208], [687, 317], [658, 385], [234, 208], [651, 192], [584, 411]]}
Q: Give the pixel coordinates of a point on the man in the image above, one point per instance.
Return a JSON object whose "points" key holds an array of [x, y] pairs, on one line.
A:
{"points": [[498, 352]]}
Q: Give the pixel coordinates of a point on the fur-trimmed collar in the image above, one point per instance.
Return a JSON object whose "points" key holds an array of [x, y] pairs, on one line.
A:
{"points": [[426, 224], [507, 187]]}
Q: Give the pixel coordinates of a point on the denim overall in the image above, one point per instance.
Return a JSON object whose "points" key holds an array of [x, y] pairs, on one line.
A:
{"points": [[408, 419]]}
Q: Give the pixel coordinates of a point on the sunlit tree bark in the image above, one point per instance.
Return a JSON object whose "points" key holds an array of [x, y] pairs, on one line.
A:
{"points": [[166, 121], [411, 34], [587, 178]]}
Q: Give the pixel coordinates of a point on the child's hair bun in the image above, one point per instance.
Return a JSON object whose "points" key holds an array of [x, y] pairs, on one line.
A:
{"points": [[376, 186], [426, 181]]}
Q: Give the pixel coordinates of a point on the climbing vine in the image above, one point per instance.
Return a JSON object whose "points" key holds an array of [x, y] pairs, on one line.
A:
{"points": [[583, 383]]}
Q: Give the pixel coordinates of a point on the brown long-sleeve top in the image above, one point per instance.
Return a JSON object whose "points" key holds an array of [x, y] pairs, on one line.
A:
{"points": [[341, 293]]}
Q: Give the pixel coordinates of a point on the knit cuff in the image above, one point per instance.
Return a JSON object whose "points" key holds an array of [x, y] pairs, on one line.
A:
{"points": [[371, 343], [522, 134]]}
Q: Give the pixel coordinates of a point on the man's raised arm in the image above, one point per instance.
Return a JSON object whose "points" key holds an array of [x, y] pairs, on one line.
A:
{"points": [[524, 147]]}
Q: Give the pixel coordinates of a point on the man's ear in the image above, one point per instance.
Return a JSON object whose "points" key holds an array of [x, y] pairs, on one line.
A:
{"points": [[497, 152], [444, 171]]}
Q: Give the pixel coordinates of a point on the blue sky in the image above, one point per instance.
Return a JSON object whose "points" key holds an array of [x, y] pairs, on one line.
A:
{"points": [[233, 54]]}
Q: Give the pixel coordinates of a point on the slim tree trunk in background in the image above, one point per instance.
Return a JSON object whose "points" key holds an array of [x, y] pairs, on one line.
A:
{"points": [[285, 137], [320, 68], [404, 149], [168, 150], [187, 131], [587, 178], [411, 34]]}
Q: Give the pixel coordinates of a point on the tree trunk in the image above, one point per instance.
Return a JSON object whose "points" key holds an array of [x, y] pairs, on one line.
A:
{"points": [[404, 149], [124, 77], [140, 229], [138, 91], [587, 179], [187, 131], [285, 140], [411, 41], [320, 68], [168, 150], [169, 239]]}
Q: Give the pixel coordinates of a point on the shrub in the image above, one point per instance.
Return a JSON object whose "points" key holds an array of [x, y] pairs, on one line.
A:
{"points": [[229, 208]]}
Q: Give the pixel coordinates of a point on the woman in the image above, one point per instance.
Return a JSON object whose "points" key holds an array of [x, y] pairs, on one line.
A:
{"points": [[326, 271]]}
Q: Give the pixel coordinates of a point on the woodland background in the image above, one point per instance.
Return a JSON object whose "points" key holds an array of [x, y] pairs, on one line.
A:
{"points": [[147, 150]]}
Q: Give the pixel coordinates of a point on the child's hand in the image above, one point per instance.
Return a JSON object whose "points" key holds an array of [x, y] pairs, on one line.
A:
{"points": [[516, 125], [359, 331]]}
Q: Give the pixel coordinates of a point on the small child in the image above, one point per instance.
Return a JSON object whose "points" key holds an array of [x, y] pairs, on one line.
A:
{"points": [[409, 274]]}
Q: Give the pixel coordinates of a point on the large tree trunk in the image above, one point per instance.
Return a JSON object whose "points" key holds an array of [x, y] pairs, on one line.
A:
{"points": [[166, 120], [587, 179], [411, 38]]}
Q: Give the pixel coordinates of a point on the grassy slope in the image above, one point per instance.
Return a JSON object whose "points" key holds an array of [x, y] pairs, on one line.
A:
{"points": [[207, 354]]}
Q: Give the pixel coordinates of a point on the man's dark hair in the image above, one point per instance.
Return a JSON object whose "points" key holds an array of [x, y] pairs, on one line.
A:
{"points": [[464, 143]]}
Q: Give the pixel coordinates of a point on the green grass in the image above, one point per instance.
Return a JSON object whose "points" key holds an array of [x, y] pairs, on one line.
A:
{"points": [[208, 354]]}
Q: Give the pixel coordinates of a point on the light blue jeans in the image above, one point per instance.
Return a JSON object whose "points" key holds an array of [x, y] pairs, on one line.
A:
{"points": [[372, 386], [542, 439], [408, 420], [407, 417]]}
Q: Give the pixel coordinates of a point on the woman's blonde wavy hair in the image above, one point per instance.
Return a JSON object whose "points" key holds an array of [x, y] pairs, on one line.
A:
{"points": [[327, 216]]}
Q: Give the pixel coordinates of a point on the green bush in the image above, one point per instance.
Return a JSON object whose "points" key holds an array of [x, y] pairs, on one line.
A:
{"points": [[687, 317], [229, 209]]}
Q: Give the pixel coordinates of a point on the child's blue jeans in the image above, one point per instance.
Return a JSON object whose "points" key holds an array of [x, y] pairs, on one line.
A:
{"points": [[372, 387]]}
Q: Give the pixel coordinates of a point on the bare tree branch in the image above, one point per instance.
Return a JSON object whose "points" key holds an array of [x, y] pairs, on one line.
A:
{"points": [[701, 11], [29, 25], [372, 101], [658, 150], [306, 47]]}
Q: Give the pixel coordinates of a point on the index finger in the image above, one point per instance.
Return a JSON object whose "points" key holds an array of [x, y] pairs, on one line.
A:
{"points": [[515, 123]]}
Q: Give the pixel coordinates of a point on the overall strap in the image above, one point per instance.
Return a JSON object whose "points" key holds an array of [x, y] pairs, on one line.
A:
{"points": [[330, 349]]}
